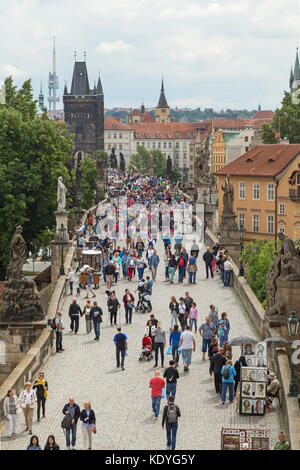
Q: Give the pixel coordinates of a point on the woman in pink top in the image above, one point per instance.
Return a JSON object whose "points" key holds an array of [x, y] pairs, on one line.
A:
{"points": [[193, 316]]}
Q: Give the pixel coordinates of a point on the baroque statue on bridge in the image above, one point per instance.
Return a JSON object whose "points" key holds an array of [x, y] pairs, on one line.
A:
{"points": [[201, 173], [283, 282], [61, 195], [18, 254]]}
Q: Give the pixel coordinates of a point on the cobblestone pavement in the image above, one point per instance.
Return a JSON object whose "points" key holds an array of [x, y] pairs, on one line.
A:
{"points": [[121, 399]]}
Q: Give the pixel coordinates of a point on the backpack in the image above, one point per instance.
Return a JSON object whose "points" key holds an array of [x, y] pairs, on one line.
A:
{"points": [[52, 323], [172, 414], [67, 422], [226, 373], [181, 262]]}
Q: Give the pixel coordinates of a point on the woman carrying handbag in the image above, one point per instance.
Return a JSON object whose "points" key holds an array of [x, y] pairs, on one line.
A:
{"points": [[88, 418]]}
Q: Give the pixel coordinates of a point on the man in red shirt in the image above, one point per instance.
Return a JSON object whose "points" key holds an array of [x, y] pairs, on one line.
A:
{"points": [[156, 384]]}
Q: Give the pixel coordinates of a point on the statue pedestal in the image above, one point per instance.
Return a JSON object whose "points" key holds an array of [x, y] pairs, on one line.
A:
{"points": [[229, 228], [61, 219], [20, 302]]}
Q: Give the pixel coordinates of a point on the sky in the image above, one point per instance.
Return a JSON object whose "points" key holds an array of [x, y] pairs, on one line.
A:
{"points": [[219, 54]]}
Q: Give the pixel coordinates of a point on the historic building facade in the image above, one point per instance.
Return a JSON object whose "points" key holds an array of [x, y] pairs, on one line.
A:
{"points": [[120, 137], [84, 111], [266, 182]]}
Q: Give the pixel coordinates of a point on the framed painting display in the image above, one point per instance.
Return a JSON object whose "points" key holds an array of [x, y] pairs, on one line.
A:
{"points": [[253, 390], [244, 439]]}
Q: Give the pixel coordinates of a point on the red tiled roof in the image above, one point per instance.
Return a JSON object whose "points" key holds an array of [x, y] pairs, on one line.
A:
{"points": [[223, 123], [171, 130], [262, 160], [266, 115], [111, 123]]}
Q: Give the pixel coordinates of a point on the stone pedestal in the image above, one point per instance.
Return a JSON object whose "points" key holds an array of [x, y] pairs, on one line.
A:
{"points": [[61, 219], [15, 341], [287, 300], [20, 302]]}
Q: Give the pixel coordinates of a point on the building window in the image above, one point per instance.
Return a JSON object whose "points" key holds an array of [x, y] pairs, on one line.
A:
{"points": [[242, 220], [282, 209], [270, 224], [165, 145], [256, 191], [121, 146], [109, 135], [170, 145], [241, 190], [255, 223], [120, 136], [246, 138], [159, 145], [177, 145], [270, 192], [153, 145], [115, 136]]}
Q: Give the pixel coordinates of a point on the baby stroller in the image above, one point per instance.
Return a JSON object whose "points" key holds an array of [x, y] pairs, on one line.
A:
{"points": [[142, 305], [146, 354]]}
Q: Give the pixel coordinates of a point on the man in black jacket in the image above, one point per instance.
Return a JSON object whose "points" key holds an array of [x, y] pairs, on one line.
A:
{"points": [[74, 312], [217, 362], [71, 409], [110, 273], [113, 306], [96, 317], [171, 414], [208, 258]]}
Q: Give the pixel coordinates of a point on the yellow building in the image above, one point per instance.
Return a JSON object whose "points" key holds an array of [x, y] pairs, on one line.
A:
{"points": [[266, 183], [162, 110], [218, 151]]}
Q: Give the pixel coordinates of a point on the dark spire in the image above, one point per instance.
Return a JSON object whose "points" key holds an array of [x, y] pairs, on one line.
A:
{"points": [[65, 89], [80, 82], [291, 78], [142, 108], [162, 99], [99, 87]]}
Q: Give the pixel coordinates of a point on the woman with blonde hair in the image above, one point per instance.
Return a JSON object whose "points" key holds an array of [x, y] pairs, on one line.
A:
{"points": [[88, 418], [27, 400]]}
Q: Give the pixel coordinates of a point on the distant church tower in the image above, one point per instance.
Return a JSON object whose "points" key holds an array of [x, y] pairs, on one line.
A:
{"points": [[162, 110], [84, 111], [295, 76]]}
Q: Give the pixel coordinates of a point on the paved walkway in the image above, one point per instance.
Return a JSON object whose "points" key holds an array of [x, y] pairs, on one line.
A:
{"points": [[121, 399]]}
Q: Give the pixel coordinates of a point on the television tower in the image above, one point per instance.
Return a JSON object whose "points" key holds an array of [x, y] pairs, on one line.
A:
{"points": [[53, 84]]}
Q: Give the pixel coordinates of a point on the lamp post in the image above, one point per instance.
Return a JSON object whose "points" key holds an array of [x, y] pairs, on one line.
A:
{"points": [[241, 234], [293, 327], [62, 236]]}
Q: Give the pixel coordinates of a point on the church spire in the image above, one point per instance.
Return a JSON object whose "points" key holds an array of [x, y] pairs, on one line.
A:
{"points": [[162, 103], [296, 68]]}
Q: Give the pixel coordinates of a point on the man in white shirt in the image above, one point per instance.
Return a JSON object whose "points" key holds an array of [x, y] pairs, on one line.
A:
{"points": [[228, 268], [187, 344]]}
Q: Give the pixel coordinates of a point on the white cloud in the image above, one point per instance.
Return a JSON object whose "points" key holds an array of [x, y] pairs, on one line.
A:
{"points": [[106, 47], [8, 69], [215, 51]]}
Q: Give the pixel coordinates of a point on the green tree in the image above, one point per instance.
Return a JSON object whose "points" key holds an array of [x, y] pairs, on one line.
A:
{"points": [[140, 161], [88, 181], [20, 100], [33, 154], [257, 258], [268, 134], [177, 176], [286, 121]]}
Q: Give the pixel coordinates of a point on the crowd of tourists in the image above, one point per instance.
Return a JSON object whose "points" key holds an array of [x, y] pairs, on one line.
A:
{"points": [[127, 234]]}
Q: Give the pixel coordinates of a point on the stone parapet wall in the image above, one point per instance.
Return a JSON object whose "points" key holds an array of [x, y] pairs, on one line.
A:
{"points": [[256, 312]]}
